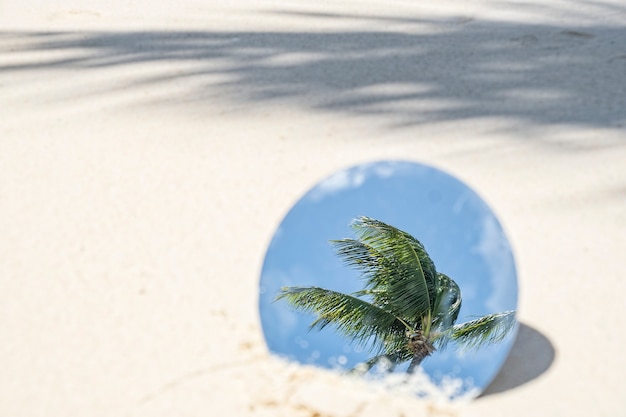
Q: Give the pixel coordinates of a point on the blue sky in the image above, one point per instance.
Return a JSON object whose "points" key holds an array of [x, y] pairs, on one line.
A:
{"points": [[458, 230]]}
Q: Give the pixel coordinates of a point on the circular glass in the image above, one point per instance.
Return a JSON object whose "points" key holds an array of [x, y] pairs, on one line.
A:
{"points": [[392, 269]]}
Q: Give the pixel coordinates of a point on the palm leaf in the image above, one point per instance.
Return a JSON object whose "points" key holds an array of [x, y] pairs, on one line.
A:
{"points": [[372, 264], [399, 262], [376, 270], [485, 330], [395, 243], [352, 316], [447, 304], [390, 285]]}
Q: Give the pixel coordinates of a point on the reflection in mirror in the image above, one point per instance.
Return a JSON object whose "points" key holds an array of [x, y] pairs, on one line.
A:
{"points": [[422, 292]]}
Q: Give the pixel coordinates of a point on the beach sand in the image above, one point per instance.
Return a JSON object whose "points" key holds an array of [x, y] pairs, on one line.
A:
{"points": [[149, 149]]}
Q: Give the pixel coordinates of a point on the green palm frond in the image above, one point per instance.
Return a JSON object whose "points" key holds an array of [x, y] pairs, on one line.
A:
{"points": [[485, 330], [362, 257], [352, 316], [395, 244], [376, 270], [447, 303], [372, 264], [395, 287], [398, 263]]}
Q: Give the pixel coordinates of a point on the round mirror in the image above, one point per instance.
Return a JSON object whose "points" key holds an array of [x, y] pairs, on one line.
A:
{"points": [[394, 271]]}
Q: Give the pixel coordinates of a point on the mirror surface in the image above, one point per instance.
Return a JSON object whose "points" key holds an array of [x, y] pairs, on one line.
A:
{"points": [[459, 233]]}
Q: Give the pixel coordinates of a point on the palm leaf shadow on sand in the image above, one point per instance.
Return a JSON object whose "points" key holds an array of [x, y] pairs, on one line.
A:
{"points": [[445, 70]]}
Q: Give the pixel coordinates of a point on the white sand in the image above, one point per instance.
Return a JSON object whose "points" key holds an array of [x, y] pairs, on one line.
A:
{"points": [[148, 150]]}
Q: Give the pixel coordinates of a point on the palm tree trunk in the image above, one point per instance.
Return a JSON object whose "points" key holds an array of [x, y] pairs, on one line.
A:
{"points": [[421, 348]]}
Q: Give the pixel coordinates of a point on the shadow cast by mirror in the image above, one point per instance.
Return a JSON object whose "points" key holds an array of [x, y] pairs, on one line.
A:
{"points": [[532, 354]]}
